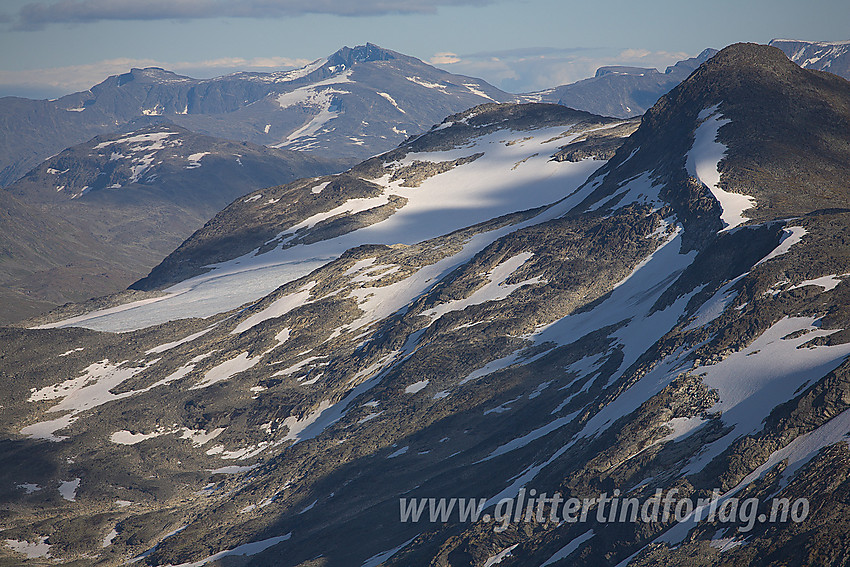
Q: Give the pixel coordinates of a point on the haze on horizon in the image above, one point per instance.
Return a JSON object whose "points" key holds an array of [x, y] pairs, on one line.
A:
{"points": [[54, 47]]}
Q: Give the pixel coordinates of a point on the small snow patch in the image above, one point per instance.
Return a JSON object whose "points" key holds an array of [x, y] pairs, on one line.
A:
{"points": [[398, 453], [68, 489], [416, 387]]}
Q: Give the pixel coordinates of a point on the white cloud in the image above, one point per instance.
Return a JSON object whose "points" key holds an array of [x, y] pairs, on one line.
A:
{"points": [[444, 58]]}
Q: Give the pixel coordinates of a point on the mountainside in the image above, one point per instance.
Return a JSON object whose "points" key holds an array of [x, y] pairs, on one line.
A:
{"points": [[820, 55], [94, 218], [353, 104], [622, 91], [490, 311]]}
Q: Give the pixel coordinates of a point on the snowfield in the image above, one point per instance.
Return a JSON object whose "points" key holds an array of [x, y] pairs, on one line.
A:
{"points": [[513, 175]]}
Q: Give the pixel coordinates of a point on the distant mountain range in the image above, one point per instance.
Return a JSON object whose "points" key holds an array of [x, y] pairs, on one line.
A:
{"points": [[353, 104], [819, 55], [622, 91]]}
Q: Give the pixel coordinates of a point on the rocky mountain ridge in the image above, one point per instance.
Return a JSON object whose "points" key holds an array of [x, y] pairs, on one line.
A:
{"points": [[663, 320]]}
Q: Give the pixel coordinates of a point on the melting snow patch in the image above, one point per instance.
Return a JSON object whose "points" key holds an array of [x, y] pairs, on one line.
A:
{"points": [[278, 308], [200, 437], [828, 283], [297, 427], [569, 548], [791, 236], [318, 101], [309, 507], [127, 438], [682, 427], [32, 550], [416, 387], [496, 559], [169, 346], [233, 469], [398, 453], [494, 290], [246, 549], [475, 89], [72, 351], [753, 381], [227, 369], [68, 489], [392, 102], [28, 487], [91, 389], [319, 188], [702, 162], [152, 141], [376, 560], [714, 307], [195, 160], [724, 543], [428, 85], [109, 538]]}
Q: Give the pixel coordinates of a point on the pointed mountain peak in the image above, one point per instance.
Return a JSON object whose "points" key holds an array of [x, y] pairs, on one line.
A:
{"points": [[774, 126], [737, 75]]}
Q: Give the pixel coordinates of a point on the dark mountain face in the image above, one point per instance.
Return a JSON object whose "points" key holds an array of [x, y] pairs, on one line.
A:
{"points": [[818, 55], [320, 107], [622, 91], [482, 312], [784, 131], [130, 199]]}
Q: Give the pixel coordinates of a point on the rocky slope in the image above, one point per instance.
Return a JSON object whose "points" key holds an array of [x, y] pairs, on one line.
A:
{"points": [[97, 216], [622, 91], [355, 103], [482, 312]]}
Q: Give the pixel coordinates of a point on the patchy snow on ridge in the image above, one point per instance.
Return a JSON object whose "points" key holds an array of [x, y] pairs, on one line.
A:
{"points": [[195, 159], [494, 290], [476, 192], [427, 84], [151, 142], [753, 381], [392, 102], [227, 369], [91, 389], [791, 236]]}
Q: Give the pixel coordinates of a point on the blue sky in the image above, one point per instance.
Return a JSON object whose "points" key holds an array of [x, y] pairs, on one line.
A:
{"points": [[51, 47]]}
